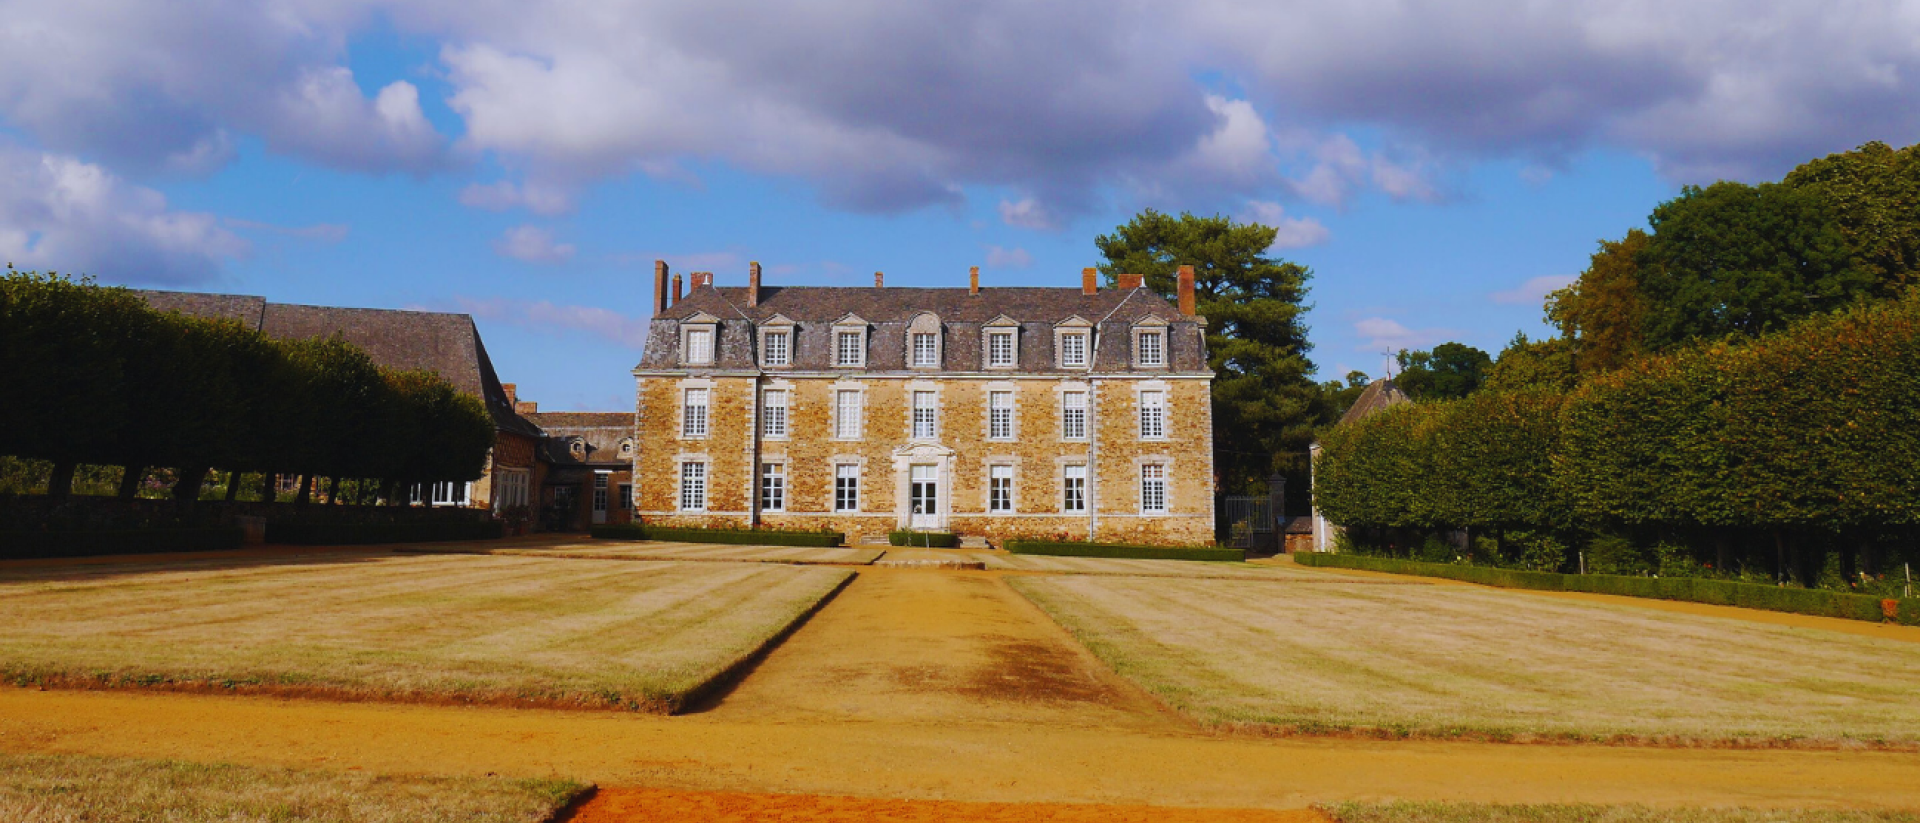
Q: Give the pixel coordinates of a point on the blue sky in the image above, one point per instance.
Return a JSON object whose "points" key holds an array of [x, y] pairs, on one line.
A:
{"points": [[1438, 165]]}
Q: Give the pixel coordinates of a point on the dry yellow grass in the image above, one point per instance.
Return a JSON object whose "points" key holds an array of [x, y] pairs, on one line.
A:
{"points": [[440, 627], [1480, 813], [1449, 660], [79, 789]]}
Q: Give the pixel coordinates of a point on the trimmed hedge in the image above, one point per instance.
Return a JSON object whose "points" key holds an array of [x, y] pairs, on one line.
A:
{"points": [[738, 537], [937, 540], [359, 534], [1124, 551], [1816, 602], [30, 545]]}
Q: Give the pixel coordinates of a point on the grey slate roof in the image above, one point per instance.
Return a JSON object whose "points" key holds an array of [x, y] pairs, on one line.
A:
{"points": [[1377, 396], [444, 343], [602, 432], [963, 317]]}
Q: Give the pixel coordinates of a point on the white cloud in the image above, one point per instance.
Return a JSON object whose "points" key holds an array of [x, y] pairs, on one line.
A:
{"points": [[59, 213], [532, 244], [1533, 291], [1027, 213], [502, 195], [1293, 232], [552, 318], [1014, 258], [1386, 335]]}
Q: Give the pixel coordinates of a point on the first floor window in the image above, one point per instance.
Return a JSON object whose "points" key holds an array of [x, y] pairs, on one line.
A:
{"points": [[693, 414], [693, 487], [774, 413], [846, 405], [1074, 490], [846, 488], [1000, 415], [1153, 489], [1000, 489], [1073, 415], [1153, 415], [773, 487], [924, 416]]}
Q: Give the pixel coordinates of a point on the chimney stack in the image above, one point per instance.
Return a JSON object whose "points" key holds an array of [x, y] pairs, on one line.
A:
{"points": [[1186, 290], [1130, 281], [753, 285], [973, 280], [702, 279], [879, 280], [526, 407], [513, 396], [676, 290], [1089, 281], [659, 285]]}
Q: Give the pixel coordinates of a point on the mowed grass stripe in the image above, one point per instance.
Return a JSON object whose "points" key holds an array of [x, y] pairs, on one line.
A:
{"points": [[470, 628], [1458, 660]]}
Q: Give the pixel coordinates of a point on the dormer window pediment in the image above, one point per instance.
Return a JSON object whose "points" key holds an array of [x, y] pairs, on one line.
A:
{"points": [[700, 318], [1074, 322]]}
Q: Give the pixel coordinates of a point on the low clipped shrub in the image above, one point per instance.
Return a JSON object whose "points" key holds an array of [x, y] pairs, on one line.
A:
{"points": [[1124, 551], [936, 540], [31, 545], [361, 534], [737, 537], [1815, 602]]}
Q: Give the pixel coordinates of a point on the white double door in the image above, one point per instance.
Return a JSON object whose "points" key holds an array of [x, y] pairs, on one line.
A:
{"points": [[923, 496]]}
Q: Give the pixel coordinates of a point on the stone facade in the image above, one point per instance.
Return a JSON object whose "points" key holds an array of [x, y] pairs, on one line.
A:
{"points": [[730, 371]]}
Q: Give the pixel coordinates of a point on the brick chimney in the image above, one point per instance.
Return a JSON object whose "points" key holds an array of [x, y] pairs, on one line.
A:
{"points": [[753, 285], [702, 279], [1089, 281], [973, 280], [1186, 290], [513, 396], [879, 280], [676, 290], [659, 285], [526, 407], [1130, 281]]}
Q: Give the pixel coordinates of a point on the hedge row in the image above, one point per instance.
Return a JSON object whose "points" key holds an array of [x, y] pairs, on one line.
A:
{"points": [[358, 534], [936, 540], [742, 537], [1123, 551], [28, 545], [1816, 602]]}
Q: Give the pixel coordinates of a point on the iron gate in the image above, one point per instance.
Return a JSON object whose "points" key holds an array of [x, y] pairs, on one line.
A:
{"points": [[1250, 523]]}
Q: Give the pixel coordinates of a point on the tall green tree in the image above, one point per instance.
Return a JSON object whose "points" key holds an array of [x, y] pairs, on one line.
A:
{"points": [[1264, 399], [1449, 372]]}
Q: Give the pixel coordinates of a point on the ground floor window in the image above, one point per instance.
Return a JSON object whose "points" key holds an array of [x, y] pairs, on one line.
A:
{"points": [[1074, 489], [693, 487], [1000, 489], [511, 490], [773, 487], [1153, 489], [441, 494], [846, 488], [600, 489], [626, 497]]}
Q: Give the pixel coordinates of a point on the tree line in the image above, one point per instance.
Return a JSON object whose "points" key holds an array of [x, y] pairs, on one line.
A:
{"points": [[98, 377]]}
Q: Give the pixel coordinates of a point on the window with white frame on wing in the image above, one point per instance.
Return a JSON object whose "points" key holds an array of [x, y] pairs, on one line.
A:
{"points": [[510, 490], [773, 487], [925, 416], [846, 488], [849, 347], [693, 487], [1073, 349], [1150, 348], [1153, 415], [693, 413], [699, 346], [1153, 488], [926, 350], [1000, 489], [1000, 348], [1073, 488], [1000, 415], [776, 347], [846, 414], [441, 494], [773, 413], [1073, 415]]}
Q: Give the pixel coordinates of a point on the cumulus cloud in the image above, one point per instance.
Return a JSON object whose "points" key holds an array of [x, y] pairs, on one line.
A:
{"points": [[1293, 232], [1002, 258], [1533, 291], [1027, 213], [554, 318], [59, 213], [532, 244]]}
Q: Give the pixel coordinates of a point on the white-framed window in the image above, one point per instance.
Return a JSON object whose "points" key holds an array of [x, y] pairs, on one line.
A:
{"points": [[846, 488], [601, 489], [1073, 349], [925, 416], [1153, 415], [510, 489], [776, 347], [699, 346], [442, 494], [1153, 488], [773, 413], [846, 414], [926, 350], [773, 487], [1073, 415], [693, 413], [1000, 349], [1073, 488], [849, 347], [999, 489], [1000, 415], [693, 487], [1150, 348]]}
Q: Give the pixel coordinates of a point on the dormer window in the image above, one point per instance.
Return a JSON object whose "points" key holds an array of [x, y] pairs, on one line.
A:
{"points": [[1002, 343], [697, 335], [926, 350], [626, 448], [578, 448], [850, 342], [1150, 346], [777, 347], [1073, 343]]}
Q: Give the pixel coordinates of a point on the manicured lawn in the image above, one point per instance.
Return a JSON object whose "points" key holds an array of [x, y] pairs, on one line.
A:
{"points": [[696, 551], [1478, 813], [459, 628], [80, 789], [1448, 660]]}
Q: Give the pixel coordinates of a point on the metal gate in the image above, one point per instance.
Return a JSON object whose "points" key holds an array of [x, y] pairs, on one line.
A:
{"points": [[1250, 523]]}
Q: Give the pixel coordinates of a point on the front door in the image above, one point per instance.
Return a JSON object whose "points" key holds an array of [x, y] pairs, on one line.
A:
{"points": [[923, 494], [600, 497]]}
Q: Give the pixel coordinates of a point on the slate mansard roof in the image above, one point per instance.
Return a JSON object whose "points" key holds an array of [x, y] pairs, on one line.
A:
{"points": [[444, 343], [602, 432], [963, 318]]}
